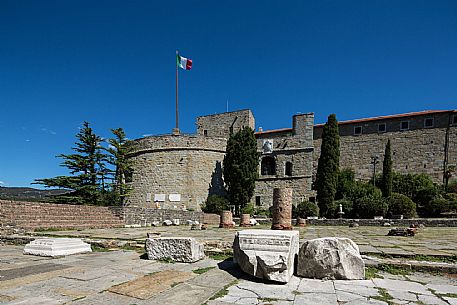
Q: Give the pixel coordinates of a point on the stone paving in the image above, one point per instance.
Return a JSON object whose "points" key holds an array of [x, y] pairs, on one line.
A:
{"points": [[435, 241], [125, 277]]}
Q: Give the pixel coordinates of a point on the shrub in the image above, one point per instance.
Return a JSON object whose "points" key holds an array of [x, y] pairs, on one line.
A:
{"points": [[435, 207], [216, 204], [348, 207], [346, 181], [452, 187], [262, 211], [305, 209], [400, 204], [368, 207], [410, 184], [248, 209]]}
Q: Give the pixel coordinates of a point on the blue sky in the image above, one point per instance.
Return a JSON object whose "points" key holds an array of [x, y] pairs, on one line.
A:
{"points": [[112, 63]]}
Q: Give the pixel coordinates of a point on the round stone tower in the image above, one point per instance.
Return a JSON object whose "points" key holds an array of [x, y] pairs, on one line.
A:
{"points": [[176, 171]]}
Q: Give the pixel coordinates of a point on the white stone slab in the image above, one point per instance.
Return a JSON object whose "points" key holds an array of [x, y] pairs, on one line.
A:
{"points": [[56, 247], [174, 197], [266, 254], [159, 197]]}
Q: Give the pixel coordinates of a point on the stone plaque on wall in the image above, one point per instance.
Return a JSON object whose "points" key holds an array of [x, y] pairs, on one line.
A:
{"points": [[148, 197], [159, 197], [174, 197]]}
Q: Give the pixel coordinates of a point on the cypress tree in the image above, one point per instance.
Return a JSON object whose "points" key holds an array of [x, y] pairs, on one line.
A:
{"points": [[387, 175], [328, 167], [241, 167]]}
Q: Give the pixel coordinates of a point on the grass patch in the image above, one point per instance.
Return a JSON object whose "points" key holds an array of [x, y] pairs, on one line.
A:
{"points": [[202, 270], [167, 260], [268, 300], [99, 249], [394, 270], [441, 259], [371, 273], [383, 296], [223, 291], [448, 295], [222, 256], [295, 292]]}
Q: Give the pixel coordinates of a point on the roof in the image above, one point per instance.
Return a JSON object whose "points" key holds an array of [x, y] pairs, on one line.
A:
{"points": [[394, 116], [259, 133]]}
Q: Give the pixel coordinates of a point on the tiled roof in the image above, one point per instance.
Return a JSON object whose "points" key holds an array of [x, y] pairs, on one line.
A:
{"points": [[394, 116]]}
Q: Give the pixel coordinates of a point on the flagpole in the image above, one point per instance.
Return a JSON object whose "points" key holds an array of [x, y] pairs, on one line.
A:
{"points": [[176, 130]]}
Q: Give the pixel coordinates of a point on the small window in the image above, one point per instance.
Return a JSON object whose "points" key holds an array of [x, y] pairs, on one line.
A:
{"points": [[205, 133], [268, 166], [382, 127], [404, 125], [231, 129], [428, 122], [257, 201], [288, 169], [454, 119], [357, 130]]}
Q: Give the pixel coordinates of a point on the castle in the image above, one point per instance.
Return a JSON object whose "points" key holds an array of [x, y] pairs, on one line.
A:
{"points": [[180, 171]]}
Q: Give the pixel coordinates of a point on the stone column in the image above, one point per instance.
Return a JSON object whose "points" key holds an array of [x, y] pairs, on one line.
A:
{"points": [[226, 220], [282, 209], [245, 220]]}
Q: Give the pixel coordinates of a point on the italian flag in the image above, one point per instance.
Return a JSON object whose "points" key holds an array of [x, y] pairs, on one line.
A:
{"points": [[183, 63]]}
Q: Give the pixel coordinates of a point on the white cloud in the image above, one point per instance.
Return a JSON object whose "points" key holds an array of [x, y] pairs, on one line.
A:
{"points": [[1, 182], [27, 140], [146, 135]]}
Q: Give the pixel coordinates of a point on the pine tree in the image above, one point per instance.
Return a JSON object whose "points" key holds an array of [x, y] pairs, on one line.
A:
{"points": [[328, 167], [241, 167], [387, 175], [87, 167], [119, 151]]}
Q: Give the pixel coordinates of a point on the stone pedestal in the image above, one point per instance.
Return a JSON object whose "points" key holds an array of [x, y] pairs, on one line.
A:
{"points": [[245, 220], [282, 209], [179, 249], [266, 254], [56, 247], [301, 222], [226, 220]]}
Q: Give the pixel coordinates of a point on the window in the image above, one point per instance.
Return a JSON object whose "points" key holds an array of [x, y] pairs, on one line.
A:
{"points": [[382, 127], [404, 125], [257, 201], [268, 166], [205, 133], [128, 176], [357, 130], [428, 122], [288, 169], [454, 119]]}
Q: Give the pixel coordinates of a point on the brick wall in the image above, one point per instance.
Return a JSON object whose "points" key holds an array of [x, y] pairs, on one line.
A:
{"points": [[37, 215]]}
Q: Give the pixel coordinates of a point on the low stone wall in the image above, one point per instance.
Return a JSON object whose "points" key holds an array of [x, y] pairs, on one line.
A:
{"points": [[146, 216], [428, 222], [38, 215]]}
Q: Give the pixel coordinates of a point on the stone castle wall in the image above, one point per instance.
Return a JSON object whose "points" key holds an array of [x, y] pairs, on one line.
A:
{"points": [[417, 150], [176, 172], [221, 125], [294, 146]]}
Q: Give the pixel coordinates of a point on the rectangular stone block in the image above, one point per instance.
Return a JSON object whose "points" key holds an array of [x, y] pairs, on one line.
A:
{"points": [[266, 254], [179, 249]]}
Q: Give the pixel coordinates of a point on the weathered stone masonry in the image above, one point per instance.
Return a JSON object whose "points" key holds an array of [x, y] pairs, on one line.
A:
{"points": [[180, 171]]}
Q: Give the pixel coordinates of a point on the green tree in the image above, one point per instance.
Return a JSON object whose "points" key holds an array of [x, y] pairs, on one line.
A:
{"points": [[87, 167], [241, 167], [328, 166], [123, 166], [387, 174]]}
